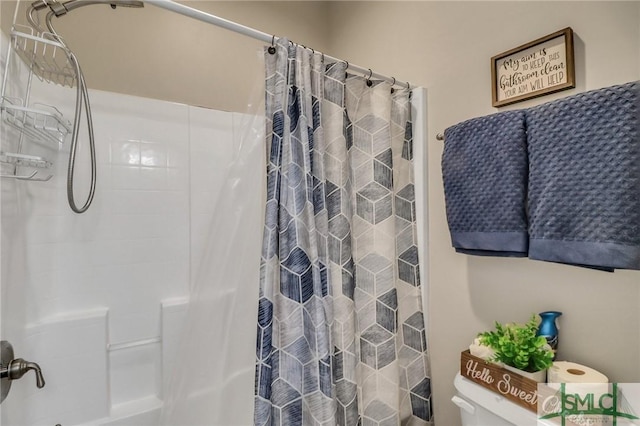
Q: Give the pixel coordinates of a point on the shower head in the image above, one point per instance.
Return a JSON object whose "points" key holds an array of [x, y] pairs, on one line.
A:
{"points": [[73, 4], [60, 9]]}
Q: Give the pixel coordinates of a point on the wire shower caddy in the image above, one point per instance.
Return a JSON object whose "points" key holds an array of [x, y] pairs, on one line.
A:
{"points": [[48, 60]]}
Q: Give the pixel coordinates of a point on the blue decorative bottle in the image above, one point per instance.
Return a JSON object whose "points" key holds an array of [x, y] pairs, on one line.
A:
{"points": [[549, 329]]}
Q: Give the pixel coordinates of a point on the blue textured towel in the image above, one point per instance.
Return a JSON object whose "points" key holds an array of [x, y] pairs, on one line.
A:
{"points": [[584, 181], [484, 168]]}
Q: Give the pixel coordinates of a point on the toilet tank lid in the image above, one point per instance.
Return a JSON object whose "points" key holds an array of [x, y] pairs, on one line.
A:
{"points": [[497, 404]]}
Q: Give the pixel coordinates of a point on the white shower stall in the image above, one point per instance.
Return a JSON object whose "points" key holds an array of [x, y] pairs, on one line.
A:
{"points": [[101, 300]]}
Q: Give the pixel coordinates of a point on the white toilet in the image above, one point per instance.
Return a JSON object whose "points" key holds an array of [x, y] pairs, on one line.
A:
{"points": [[481, 407]]}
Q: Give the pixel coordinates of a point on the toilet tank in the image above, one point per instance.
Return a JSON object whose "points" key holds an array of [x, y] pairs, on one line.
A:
{"points": [[482, 407]]}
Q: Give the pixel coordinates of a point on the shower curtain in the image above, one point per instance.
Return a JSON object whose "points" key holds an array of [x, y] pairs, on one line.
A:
{"points": [[341, 335]]}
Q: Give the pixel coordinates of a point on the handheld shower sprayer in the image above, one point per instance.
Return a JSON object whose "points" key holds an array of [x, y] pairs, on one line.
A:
{"points": [[58, 9]]}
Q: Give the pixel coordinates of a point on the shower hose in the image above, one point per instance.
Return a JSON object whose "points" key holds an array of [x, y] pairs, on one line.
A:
{"points": [[82, 97]]}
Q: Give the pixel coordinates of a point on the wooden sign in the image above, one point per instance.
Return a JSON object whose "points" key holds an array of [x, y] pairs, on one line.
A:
{"points": [[543, 66], [514, 387]]}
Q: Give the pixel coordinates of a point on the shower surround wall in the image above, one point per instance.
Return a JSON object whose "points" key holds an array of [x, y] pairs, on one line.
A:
{"points": [[98, 299]]}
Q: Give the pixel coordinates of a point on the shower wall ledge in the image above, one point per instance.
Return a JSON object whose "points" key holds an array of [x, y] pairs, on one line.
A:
{"points": [[87, 382]]}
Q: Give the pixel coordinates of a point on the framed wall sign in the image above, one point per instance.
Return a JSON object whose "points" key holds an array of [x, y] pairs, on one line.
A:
{"points": [[543, 66]]}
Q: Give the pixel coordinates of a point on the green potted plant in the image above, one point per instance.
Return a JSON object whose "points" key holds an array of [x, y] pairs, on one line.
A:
{"points": [[518, 346]]}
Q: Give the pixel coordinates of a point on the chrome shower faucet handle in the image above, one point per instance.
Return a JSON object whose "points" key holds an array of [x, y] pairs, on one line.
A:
{"points": [[19, 367], [13, 369]]}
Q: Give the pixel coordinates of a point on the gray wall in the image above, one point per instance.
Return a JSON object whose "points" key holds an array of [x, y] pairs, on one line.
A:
{"points": [[158, 54], [445, 47]]}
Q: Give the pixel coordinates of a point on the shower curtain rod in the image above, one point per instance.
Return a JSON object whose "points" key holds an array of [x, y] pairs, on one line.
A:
{"points": [[251, 32]]}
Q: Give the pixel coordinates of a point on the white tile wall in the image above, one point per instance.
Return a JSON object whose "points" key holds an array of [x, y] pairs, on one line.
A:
{"points": [[225, 285], [211, 152], [99, 300], [131, 249], [160, 172], [70, 349]]}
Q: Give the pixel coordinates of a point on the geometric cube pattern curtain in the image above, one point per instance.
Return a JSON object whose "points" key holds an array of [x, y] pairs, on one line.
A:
{"points": [[341, 334]]}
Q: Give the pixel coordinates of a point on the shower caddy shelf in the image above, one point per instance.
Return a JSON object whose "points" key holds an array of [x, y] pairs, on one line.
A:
{"points": [[48, 60], [44, 124], [24, 160]]}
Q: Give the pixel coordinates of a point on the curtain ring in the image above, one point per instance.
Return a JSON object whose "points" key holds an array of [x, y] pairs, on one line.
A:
{"points": [[408, 86], [346, 72], [323, 58], [393, 84], [272, 48], [369, 82]]}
